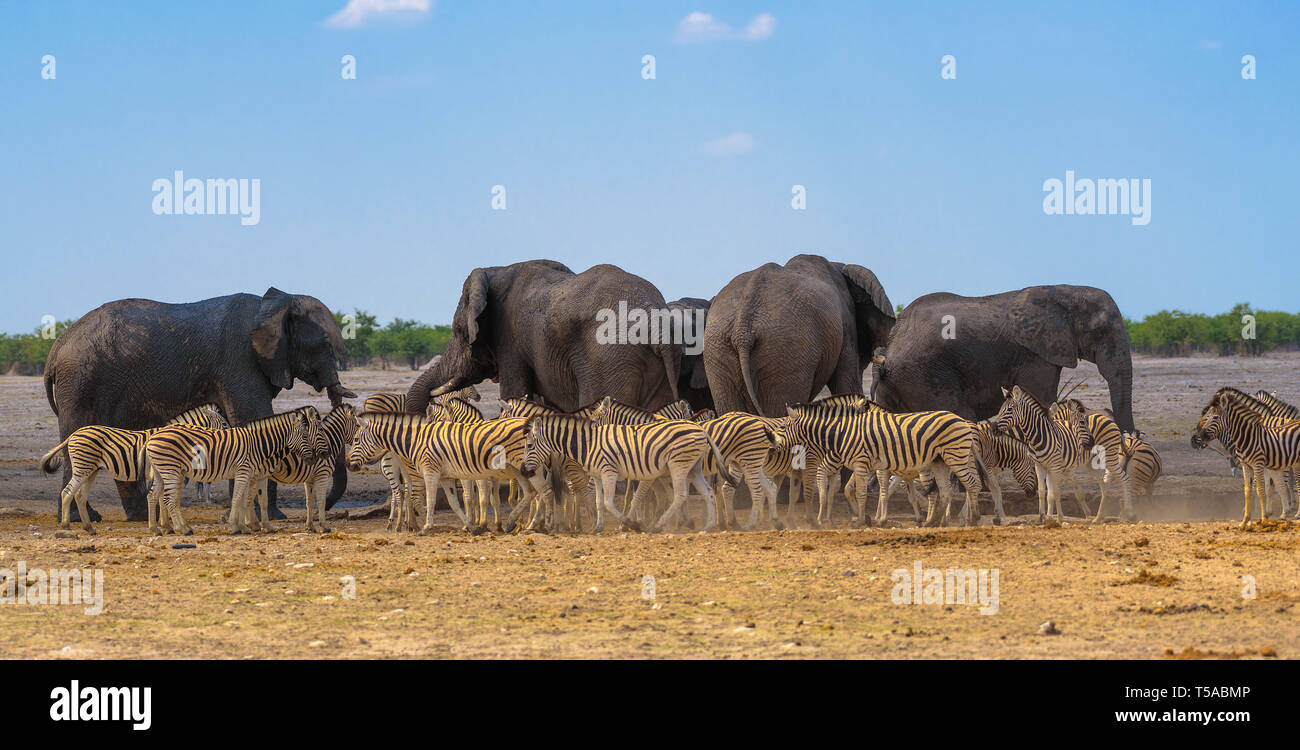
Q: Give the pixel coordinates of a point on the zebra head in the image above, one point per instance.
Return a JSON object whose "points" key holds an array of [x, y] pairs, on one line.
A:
{"points": [[367, 447], [306, 434], [1210, 426], [1012, 412]]}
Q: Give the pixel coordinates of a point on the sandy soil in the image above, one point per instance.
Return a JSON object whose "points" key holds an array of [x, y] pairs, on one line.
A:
{"points": [[1176, 584]]}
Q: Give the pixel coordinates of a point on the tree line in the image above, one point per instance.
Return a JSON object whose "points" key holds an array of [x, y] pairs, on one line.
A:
{"points": [[410, 343]]}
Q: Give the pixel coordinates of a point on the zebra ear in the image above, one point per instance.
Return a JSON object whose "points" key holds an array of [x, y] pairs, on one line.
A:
{"points": [[1006, 393]]}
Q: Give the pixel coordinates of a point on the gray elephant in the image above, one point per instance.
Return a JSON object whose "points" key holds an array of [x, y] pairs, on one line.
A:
{"points": [[136, 363], [692, 379], [958, 353], [778, 334], [539, 329]]}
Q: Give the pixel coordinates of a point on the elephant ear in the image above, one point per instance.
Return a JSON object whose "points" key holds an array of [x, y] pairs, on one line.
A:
{"points": [[866, 288], [475, 301], [1041, 324], [270, 339]]}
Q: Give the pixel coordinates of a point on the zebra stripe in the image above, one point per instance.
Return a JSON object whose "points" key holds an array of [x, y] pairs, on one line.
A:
{"points": [[1263, 445]]}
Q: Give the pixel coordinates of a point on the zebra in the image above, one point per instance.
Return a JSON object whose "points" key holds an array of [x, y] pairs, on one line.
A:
{"points": [[1001, 452], [1058, 444], [1276, 407], [247, 454], [436, 451], [1227, 448], [742, 440], [337, 429], [459, 410], [903, 444], [1261, 448], [1107, 452], [703, 415], [579, 493], [1141, 463], [632, 452], [94, 448]]}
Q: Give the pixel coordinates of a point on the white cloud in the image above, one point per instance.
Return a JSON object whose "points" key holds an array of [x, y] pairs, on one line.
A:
{"points": [[760, 28], [703, 27], [357, 12], [730, 145]]}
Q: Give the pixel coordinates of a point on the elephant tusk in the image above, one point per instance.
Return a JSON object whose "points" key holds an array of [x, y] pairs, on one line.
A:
{"points": [[444, 388]]}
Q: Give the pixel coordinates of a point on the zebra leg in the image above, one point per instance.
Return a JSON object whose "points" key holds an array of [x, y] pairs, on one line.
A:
{"points": [[1248, 476], [71, 491], [679, 499], [1126, 490], [698, 479], [172, 497], [432, 480], [263, 497], [152, 501], [1041, 476], [995, 490], [238, 496], [884, 489]]}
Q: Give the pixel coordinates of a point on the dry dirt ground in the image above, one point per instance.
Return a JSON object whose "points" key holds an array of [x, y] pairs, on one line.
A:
{"points": [[1177, 584]]}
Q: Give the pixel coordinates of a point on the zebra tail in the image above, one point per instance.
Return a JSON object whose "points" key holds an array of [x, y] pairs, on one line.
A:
{"points": [[51, 461], [722, 464]]}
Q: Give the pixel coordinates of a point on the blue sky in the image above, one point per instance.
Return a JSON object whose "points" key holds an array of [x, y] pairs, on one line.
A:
{"points": [[376, 192]]}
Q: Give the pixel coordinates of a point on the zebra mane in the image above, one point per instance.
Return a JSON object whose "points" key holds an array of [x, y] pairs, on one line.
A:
{"points": [[1244, 399], [342, 411], [309, 410], [1277, 406], [532, 403]]}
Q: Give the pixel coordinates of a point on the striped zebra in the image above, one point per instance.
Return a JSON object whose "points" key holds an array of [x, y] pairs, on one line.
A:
{"points": [[437, 451], [1141, 463], [903, 444], [247, 454], [1003, 452], [580, 494], [742, 440], [645, 452], [703, 415], [1262, 449], [1106, 452], [1058, 443], [395, 403], [120, 452], [459, 410], [1223, 439], [337, 429], [1280, 409]]}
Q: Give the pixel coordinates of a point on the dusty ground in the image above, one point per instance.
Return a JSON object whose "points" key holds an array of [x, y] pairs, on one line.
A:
{"points": [[1170, 585]]}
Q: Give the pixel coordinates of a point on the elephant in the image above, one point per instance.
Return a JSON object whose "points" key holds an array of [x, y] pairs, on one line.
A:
{"points": [[778, 334], [692, 380], [957, 353], [541, 330], [135, 363]]}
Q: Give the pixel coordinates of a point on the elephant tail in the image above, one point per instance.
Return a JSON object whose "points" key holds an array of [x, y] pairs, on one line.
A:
{"points": [[49, 388], [747, 372], [340, 483], [51, 461], [670, 371]]}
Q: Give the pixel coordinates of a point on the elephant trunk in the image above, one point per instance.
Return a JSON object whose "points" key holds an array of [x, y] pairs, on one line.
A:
{"points": [[1117, 369], [432, 382], [340, 483]]}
